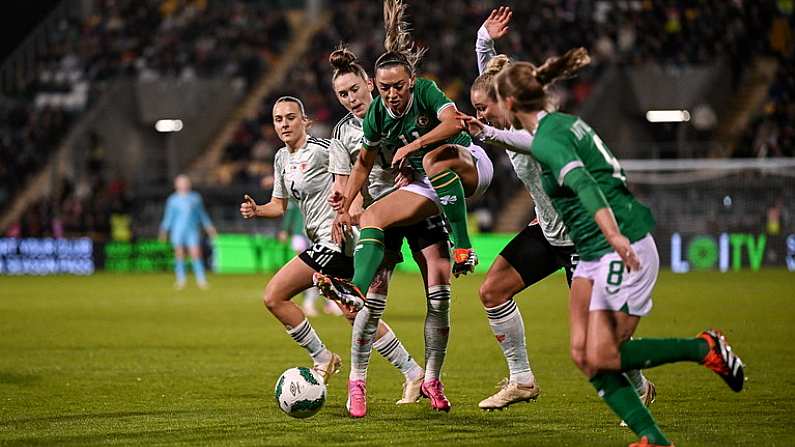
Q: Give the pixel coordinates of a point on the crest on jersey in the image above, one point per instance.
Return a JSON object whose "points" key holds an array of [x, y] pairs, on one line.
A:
{"points": [[423, 121]]}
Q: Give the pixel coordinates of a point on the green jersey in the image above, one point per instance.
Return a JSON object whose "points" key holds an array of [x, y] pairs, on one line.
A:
{"points": [[581, 175], [386, 132]]}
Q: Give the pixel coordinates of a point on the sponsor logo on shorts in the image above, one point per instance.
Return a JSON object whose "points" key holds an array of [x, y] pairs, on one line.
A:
{"points": [[500, 338], [447, 200]]}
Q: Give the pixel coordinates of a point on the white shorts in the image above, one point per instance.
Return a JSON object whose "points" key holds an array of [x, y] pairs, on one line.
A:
{"points": [[485, 169], [618, 290], [423, 188], [485, 174]]}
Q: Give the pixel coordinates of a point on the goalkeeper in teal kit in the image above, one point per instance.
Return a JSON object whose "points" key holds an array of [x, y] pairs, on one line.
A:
{"points": [[183, 219]]}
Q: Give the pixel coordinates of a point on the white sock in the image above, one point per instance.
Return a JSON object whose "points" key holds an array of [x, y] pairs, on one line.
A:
{"points": [[507, 325], [393, 351], [306, 337], [363, 335], [637, 379], [437, 330]]}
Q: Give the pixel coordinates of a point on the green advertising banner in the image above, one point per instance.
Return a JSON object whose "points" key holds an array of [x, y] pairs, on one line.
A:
{"points": [[245, 253]]}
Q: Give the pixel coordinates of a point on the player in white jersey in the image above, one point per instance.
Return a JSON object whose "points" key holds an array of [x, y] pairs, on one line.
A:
{"points": [[427, 239], [539, 250], [307, 170]]}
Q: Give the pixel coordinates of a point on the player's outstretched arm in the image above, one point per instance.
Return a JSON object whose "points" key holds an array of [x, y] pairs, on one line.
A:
{"points": [[516, 140], [359, 173], [275, 208]]}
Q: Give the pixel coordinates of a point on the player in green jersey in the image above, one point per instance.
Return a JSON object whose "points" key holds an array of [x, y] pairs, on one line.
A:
{"points": [[618, 267], [427, 239], [414, 121], [307, 170], [541, 248]]}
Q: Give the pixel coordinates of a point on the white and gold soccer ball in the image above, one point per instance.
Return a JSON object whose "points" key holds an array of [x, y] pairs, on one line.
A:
{"points": [[300, 392]]}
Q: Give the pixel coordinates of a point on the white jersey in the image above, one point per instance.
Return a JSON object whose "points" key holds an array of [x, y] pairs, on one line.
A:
{"points": [[517, 143], [381, 180], [306, 176]]}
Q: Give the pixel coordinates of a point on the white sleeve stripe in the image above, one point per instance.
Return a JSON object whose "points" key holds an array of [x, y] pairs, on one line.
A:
{"points": [[370, 143], [570, 166], [442, 107]]}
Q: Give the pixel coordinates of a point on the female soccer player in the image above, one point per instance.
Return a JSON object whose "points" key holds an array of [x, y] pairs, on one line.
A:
{"points": [[413, 121], [618, 267], [427, 240], [184, 215], [542, 248], [306, 170]]}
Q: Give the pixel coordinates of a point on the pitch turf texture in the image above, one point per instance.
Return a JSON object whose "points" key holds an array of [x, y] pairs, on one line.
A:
{"points": [[126, 360]]}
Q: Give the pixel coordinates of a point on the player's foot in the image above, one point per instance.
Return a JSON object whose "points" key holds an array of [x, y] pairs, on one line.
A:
{"points": [[357, 398], [464, 261], [722, 360], [411, 391], [434, 390], [331, 308], [328, 369], [644, 442], [340, 290], [509, 394], [179, 285], [204, 285], [309, 309], [648, 397]]}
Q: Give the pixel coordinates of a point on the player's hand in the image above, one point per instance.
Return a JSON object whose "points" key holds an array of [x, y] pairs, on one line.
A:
{"points": [[355, 212], [336, 200], [624, 249], [281, 236], [471, 124], [248, 208], [161, 236], [400, 156], [341, 227], [497, 23]]}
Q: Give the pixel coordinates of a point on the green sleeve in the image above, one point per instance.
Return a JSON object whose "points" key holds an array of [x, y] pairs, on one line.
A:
{"points": [[581, 182], [555, 151], [371, 130], [431, 96]]}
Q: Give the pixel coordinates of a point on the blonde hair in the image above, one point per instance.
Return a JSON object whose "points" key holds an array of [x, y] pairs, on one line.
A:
{"points": [[400, 47], [485, 82], [527, 83]]}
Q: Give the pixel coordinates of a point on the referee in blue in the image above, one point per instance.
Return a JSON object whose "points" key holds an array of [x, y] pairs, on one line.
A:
{"points": [[184, 216]]}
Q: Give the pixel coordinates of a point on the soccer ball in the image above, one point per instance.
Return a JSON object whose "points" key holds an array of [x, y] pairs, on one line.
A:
{"points": [[300, 392]]}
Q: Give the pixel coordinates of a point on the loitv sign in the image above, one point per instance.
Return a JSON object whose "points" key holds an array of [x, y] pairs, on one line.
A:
{"points": [[728, 251]]}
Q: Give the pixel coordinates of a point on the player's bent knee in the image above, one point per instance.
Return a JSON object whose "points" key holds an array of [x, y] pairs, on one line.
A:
{"points": [[491, 294]]}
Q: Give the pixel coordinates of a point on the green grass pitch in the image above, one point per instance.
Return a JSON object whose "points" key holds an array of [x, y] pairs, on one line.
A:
{"points": [[126, 360]]}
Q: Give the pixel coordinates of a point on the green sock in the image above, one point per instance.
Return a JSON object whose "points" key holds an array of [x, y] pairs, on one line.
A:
{"points": [[619, 395], [643, 353], [448, 187], [367, 257]]}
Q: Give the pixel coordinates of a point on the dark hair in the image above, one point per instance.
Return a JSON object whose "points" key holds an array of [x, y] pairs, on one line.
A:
{"points": [[400, 48], [485, 81], [288, 98], [527, 83], [344, 61]]}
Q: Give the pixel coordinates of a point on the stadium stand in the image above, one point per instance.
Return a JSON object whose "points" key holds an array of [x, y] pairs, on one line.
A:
{"points": [[168, 39]]}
